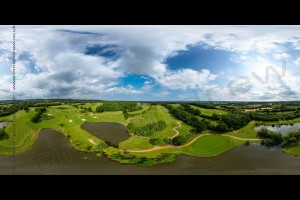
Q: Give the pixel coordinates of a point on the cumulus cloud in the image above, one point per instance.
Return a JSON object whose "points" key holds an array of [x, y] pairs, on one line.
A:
{"points": [[123, 90], [297, 61], [186, 78]]}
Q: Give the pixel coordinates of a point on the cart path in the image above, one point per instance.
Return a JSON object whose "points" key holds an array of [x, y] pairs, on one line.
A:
{"points": [[187, 144]]}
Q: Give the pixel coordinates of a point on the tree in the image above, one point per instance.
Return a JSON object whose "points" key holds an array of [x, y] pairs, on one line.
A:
{"points": [[215, 116], [99, 109], [26, 109], [125, 113], [222, 127], [3, 134], [90, 109], [35, 118], [179, 140], [101, 146]]}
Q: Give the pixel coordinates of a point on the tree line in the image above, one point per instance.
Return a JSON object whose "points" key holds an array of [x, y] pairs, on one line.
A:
{"points": [[180, 113], [272, 138], [268, 116], [148, 129], [204, 105], [118, 106]]}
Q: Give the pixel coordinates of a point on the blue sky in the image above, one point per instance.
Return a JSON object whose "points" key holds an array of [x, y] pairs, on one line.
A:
{"points": [[241, 63]]}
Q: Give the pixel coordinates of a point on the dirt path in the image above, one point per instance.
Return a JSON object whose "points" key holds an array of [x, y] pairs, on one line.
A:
{"points": [[250, 139], [187, 144], [174, 129]]}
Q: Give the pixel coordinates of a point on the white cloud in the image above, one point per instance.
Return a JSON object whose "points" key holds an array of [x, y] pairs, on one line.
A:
{"points": [[185, 79], [297, 61], [123, 90], [281, 56], [162, 93]]}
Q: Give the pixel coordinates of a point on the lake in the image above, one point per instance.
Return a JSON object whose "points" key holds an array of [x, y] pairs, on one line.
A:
{"points": [[281, 129], [52, 154], [3, 124], [112, 133]]}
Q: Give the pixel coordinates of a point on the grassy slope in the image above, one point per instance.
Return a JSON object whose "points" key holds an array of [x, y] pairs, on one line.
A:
{"points": [[93, 105], [144, 108], [155, 114], [136, 143], [209, 112], [245, 132]]}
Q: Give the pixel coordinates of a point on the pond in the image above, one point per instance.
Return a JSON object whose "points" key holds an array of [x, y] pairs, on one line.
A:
{"points": [[52, 154], [281, 129], [112, 133], [3, 124]]}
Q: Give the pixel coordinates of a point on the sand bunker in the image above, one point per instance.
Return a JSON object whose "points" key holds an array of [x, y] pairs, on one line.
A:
{"points": [[83, 119], [91, 141], [70, 120]]}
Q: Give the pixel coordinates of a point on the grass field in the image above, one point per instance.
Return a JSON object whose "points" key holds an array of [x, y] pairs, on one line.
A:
{"points": [[157, 113], [245, 132], [206, 113], [211, 145], [209, 112], [136, 143], [93, 105], [206, 146], [138, 112]]}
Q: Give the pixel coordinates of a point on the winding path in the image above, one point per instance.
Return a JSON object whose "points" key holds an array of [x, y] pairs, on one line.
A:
{"points": [[250, 139], [174, 129], [187, 144]]}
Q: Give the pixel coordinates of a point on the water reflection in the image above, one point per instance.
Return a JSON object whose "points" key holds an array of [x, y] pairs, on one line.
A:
{"points": [[112, 133], [281, 129]]}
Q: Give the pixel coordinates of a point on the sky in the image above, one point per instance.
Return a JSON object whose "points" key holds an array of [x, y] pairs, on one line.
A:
{"points": [[152, 63]]}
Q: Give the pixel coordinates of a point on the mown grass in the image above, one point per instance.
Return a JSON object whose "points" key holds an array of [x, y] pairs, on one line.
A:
{"points": [[211, 145], [138, 112], [210, 112], [245, 132], [206, 146], [136, 143]]}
